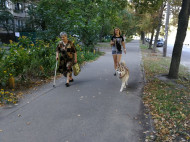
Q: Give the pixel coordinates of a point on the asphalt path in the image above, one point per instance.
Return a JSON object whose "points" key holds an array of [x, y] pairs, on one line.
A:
{"points": [[91, 110], [185, 56]]}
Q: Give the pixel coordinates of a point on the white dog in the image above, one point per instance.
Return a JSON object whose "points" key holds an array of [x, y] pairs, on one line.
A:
{"points": [[123, 73]]}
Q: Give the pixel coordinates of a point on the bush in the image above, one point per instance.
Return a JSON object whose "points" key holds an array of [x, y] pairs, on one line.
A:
{"points": [[25, 61], [7, 97]]}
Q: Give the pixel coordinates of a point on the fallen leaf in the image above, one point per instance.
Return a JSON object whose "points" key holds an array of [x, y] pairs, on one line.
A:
{"points": [[145, 132]]}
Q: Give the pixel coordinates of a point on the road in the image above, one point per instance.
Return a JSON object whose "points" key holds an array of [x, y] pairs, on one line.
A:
{"points": [[91, 110], [185, 57]]}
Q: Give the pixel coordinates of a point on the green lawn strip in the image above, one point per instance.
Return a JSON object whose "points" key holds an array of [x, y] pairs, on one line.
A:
{"points": [[168, 101]]}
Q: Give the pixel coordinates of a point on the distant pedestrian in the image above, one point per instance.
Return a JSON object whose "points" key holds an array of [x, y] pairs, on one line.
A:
{"points": [[117, 41], [68, 56]]}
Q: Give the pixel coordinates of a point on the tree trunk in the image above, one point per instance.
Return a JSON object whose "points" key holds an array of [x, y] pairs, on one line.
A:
{"points": [[183, 20], [152, 35], [158, 28], [43, 25], [142, 37], [101, 33], [166, 30]]}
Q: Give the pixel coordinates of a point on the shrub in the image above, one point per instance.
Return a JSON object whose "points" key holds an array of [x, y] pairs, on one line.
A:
{"points": [[26, 60]]}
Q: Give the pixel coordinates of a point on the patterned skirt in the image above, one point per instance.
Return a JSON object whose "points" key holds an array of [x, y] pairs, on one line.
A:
{"points": [[65, 66]]}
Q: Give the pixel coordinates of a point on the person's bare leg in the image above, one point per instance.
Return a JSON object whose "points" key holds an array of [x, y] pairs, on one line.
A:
{"points": [[70, 77], [115, 61], [118, 58], [68, 74]]}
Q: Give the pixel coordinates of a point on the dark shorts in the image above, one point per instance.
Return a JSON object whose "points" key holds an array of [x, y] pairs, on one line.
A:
{"points": [[118, 52]]}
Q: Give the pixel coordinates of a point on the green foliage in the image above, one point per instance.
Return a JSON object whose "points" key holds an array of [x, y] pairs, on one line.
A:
{"points": [[25, 60], [149, 6], [175, 9], [147, 14], [6, 19], [91, 20], [143, 46], [7, 97]]}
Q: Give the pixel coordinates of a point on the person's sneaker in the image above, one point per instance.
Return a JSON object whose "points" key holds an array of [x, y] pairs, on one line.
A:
{"points": [[71, 80], [114, 74], [67, 85]]}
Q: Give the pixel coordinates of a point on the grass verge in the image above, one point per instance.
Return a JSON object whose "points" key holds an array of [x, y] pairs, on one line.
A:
{"points": [[167, 100]]}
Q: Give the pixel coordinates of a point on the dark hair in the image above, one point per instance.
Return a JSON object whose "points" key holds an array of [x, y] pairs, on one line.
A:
{"points": [[114, 31]]}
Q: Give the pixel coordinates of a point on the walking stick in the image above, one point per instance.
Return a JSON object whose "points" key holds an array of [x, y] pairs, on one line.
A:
{"points": [[55, 73]]}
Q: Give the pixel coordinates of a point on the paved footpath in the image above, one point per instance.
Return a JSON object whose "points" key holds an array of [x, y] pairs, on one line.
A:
{"points": [[91, 110]]}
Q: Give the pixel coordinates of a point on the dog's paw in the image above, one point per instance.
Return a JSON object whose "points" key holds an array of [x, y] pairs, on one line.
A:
{"points": [[121, 90]]}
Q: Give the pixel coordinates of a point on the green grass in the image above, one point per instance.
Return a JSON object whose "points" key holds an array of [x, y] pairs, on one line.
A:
{"points": [[168, 100]]}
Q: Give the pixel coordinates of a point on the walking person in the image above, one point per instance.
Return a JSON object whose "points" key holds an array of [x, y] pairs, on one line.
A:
{"points": [[68, 56], [117, 42]]}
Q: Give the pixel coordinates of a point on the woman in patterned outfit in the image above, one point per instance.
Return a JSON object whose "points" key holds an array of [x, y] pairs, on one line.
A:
{"points": [[117, 41], [68, 56]]}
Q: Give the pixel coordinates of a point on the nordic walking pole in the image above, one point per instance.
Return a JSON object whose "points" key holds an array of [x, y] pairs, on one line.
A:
{"points": [[55, 73]]}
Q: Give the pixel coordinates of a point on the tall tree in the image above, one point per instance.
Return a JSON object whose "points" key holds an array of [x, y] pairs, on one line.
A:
{"points": [[145, 25], [147, 6], [158, 27], [180, 37], [166, 29], [87, 18], [175, 9]]}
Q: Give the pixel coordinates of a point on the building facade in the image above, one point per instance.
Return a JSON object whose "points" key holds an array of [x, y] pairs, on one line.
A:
{"points": [[13, 18]]}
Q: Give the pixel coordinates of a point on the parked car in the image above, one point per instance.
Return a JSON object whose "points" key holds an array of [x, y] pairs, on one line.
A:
{"points": [[147, 39], [160, 42]]}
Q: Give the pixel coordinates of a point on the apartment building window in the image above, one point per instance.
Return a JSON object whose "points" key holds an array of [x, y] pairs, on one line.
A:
{"points": [[8, 21], [2, 3], [18, 7], [7, 4], [19, 23], [16, 23]]}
